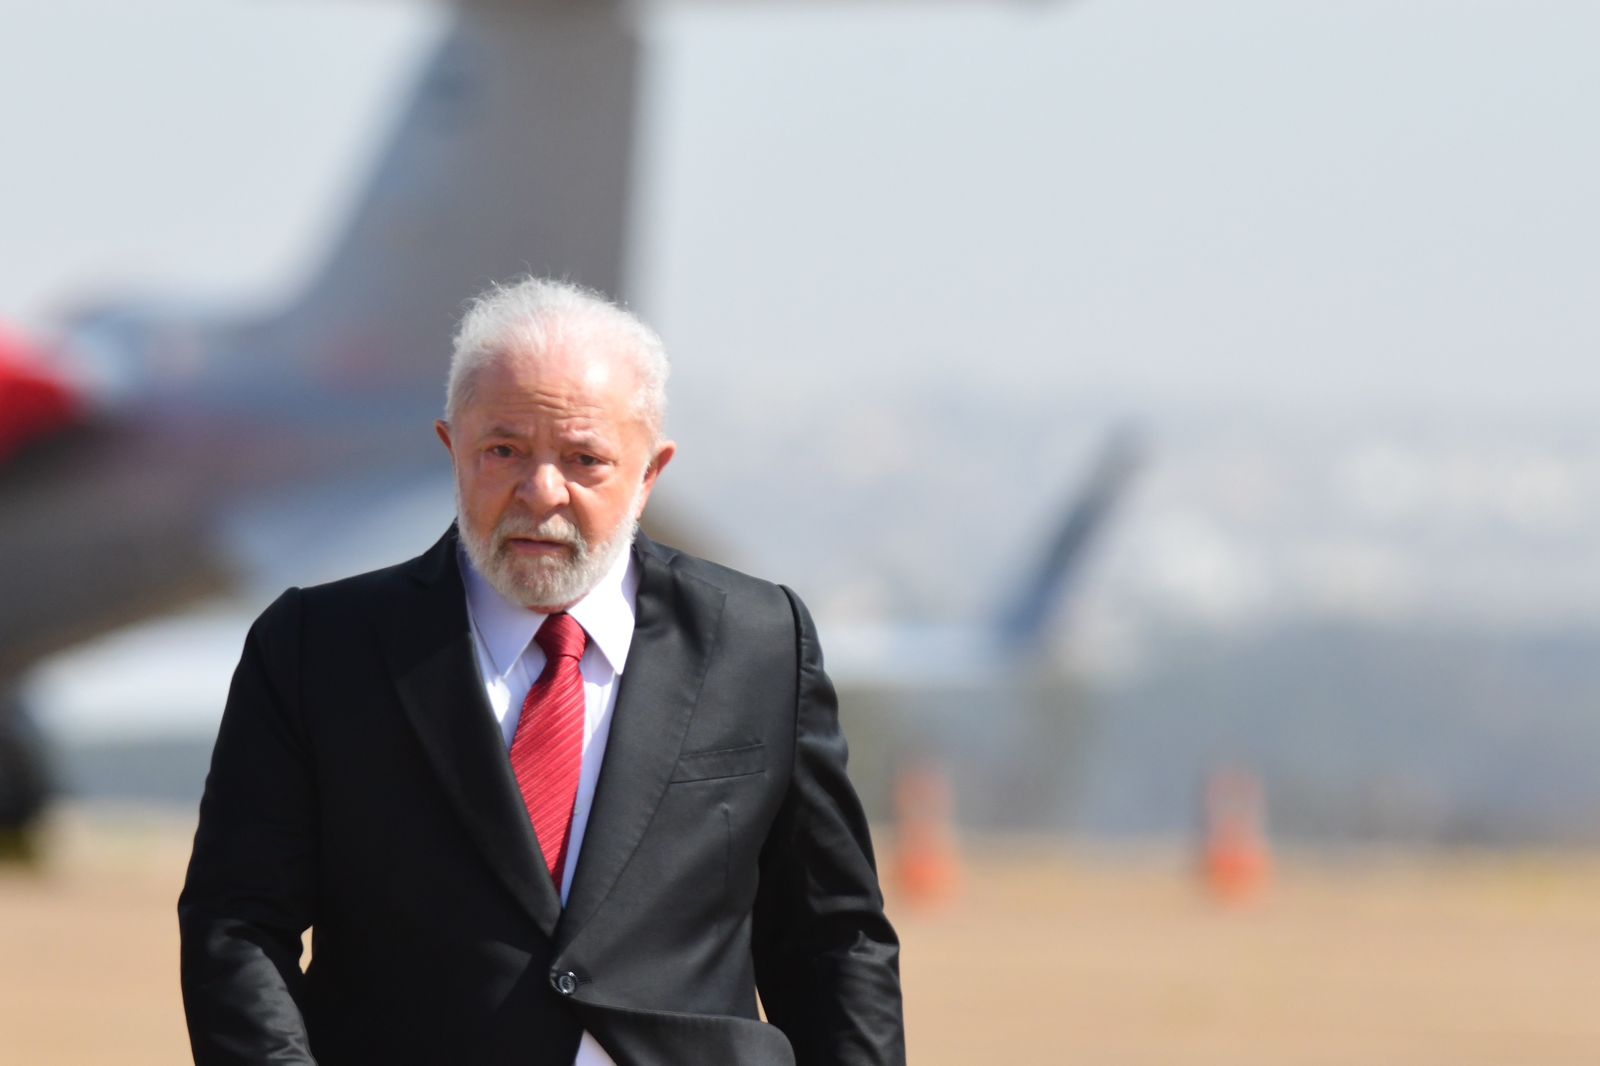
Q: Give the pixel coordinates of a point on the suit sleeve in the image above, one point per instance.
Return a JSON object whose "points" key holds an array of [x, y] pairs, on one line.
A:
{"points": [[827, 959], [249, 893]]}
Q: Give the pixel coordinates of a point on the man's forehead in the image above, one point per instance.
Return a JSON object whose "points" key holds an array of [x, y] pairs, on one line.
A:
{"points": [[566, 363], [581, 387]]}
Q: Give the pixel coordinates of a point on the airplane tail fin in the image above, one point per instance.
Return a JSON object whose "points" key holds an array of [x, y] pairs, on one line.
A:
{"points": [[512, 156], [1039, 600]]}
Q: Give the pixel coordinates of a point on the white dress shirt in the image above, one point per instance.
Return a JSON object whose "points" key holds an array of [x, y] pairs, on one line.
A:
{"points": [[510, 661]]}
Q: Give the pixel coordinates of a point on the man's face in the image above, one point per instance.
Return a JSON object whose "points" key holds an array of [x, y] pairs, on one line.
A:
{"points": [[553, 467]]}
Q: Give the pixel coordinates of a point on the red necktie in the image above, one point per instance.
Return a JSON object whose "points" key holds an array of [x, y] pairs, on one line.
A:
{"points": [[547, 748]]}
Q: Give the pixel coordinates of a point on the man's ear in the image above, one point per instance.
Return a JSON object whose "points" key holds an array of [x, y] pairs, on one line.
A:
{"points": [[442, 429], [664, 453]]}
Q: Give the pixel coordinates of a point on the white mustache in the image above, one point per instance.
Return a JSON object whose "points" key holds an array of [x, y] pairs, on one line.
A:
{"points": [[555, 528]]}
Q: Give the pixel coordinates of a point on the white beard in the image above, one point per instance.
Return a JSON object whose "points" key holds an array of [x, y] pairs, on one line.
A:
{"points": [[545, 584]]}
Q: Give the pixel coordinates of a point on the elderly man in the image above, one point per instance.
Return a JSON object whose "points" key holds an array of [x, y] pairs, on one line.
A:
{"points": [[550, 793]]}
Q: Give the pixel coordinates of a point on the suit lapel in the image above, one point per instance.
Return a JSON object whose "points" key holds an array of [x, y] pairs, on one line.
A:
{"points": [[431, 656], [675, 622]]}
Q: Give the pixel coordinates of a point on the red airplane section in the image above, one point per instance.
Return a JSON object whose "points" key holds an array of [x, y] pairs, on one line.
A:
{"points": [[35, 402]]}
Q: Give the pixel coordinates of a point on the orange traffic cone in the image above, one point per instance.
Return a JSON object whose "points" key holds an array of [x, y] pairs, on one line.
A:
{"points": [[926, 869], [1235, 860]]}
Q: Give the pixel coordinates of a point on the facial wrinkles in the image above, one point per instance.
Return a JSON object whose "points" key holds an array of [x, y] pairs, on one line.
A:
{"points": [[561, 426]]}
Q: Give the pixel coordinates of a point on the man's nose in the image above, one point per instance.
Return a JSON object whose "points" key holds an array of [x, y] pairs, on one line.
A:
{"points": [[544, 489]]}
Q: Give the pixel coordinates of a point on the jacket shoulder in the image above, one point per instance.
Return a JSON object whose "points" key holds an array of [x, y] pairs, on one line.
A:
{"points": [[740, 588], [373, 589]]}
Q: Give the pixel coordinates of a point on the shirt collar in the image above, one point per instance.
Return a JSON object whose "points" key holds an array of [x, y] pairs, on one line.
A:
{"points": [[506, 629]]}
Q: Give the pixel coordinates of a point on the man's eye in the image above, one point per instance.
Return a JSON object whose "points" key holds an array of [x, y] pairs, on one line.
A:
{"points": [[589, 460], [500, 451]]}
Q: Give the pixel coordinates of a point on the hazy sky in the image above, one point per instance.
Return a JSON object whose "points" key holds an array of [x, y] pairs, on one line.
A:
{"points": [[1176, 200], [1155, 201], [186, 145]]}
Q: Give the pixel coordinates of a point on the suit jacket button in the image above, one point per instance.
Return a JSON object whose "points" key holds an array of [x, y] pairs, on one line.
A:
{"points": [[566, 983]]}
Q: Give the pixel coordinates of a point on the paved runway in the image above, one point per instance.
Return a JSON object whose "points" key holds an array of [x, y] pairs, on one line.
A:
{"points": [[1052, 953]]}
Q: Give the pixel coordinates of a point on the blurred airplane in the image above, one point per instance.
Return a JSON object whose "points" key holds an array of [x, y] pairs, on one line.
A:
{"points": [[971, 654], [989, 699], [135, 480], [513, 155], [132, 442]]}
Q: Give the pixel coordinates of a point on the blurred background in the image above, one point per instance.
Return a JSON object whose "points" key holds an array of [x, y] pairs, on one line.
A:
{"points": [[1178, 416]]}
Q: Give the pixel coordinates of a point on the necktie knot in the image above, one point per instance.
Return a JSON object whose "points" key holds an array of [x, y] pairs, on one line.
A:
{"points": [[562, 637]]}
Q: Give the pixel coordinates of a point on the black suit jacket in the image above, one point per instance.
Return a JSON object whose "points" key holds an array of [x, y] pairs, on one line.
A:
{"points": [[360, 787]]}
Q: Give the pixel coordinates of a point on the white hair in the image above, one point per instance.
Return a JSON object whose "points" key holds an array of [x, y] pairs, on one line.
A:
{"points": [[531, 315]]}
